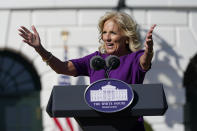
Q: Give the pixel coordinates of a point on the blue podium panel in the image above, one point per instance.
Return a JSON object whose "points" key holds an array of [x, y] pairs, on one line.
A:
{"points": [[68, 101]]}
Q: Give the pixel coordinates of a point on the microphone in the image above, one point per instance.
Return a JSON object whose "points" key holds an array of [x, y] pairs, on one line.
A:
{"points": [[112, 62], [97, 62]]}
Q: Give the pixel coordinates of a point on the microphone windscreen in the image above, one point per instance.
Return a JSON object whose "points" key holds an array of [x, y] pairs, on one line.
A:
{"points": [[112, 62], [97, 62]]}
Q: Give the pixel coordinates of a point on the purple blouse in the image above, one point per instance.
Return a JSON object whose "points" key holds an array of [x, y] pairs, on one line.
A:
{"points": [[129, 71]]}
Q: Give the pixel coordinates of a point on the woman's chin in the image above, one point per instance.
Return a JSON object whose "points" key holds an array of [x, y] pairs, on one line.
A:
{"points": [[110, 52]]}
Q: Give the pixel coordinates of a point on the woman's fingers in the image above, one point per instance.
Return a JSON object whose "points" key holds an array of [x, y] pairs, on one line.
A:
{"points": [[149, 40], [24, 33], [20, 30], [24, 36], [25, 29], [152, 28], [34, 29], [31, 38], [149, 34], [26, 41]]}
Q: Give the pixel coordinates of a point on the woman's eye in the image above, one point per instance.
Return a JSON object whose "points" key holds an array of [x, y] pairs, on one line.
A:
{"points": [[113, 32], [103, 32]]}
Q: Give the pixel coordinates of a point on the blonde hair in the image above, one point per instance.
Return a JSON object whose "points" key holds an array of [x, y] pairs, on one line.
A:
{"points": [[126, 25]]}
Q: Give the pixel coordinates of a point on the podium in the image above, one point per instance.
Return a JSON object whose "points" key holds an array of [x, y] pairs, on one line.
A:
{"points": [[68, 101]]}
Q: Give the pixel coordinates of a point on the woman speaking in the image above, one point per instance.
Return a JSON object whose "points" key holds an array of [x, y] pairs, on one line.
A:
{"points": [[118, 36]]}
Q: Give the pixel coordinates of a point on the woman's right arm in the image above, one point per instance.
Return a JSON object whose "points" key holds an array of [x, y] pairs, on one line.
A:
{"points": [[58, 66]]}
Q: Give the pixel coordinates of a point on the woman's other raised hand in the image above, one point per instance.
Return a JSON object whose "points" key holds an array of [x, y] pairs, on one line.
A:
{"points": [[32, 39], [149, 40]]}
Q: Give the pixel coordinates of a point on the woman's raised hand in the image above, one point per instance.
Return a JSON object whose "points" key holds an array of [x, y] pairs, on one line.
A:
{"points": [[149, 40], [30, 38]]}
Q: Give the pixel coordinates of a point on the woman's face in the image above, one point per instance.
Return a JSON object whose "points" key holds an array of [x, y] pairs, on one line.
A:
{"points": [[114, 41]]}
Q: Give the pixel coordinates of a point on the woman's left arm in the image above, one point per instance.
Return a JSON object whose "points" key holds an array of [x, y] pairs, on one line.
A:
{"points": [[146, 58]]}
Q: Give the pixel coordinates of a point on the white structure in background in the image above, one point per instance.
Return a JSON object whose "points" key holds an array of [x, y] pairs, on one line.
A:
{"points": [[175, 42]]}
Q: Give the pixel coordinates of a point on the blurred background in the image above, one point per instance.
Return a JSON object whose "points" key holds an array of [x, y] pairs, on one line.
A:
{"points": [[68, 29]]}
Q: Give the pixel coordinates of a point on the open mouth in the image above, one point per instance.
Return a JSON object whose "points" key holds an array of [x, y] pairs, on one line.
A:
{"points": [[109, 45]]}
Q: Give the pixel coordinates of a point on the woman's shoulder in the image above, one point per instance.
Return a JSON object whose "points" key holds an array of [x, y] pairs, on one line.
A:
{"points": [[134, 55], [139, 52]]}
